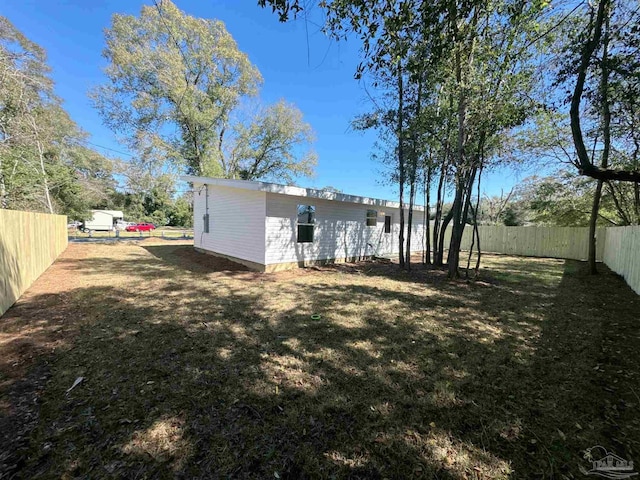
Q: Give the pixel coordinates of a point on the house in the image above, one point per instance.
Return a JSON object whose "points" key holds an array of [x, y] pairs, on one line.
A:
{"points": [[270, 227]]}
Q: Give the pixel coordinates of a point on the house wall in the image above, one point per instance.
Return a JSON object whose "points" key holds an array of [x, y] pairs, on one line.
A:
{"points": [[340, 232], [236, 222]]}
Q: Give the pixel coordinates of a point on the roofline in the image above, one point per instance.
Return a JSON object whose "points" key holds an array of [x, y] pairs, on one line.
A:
{"points": [[294, 191]]}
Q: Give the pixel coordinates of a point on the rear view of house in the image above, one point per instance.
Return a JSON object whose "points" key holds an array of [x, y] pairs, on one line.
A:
{"points": [[270, 227]]}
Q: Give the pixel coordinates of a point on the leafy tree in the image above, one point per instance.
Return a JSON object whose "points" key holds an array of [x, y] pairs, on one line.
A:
{"points": [[175, 83], [266, 147], [181, 213], [492, 208], [43, 163], [511, 217], [565, 199]]}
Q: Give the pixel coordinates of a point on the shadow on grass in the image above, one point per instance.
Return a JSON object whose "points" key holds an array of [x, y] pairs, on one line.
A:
{"points": [[225, 374]]}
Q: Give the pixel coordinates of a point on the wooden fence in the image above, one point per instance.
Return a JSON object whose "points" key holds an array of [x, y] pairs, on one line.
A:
{"points": [[553, 242], [29, 243], [617, 247], [622, 254]]}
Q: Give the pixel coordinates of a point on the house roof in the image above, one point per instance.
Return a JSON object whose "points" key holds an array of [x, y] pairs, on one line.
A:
{"points": [[293, 191]]}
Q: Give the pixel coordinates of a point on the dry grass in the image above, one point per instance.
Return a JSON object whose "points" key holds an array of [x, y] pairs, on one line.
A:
{"points": [[196, 368]]}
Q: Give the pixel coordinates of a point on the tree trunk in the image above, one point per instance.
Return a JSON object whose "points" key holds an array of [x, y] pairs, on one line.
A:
{"points": [[427, 195], [458, 227], [401, 173], [475, 238], [3, 187], [461, 205], [475, 222], [412, 194], [593, 269], [43, 171], [443, 231], [45, 181], [606, 134], [413, 172], [636, 201], [437, 253], [456, 235], [473, 242]]}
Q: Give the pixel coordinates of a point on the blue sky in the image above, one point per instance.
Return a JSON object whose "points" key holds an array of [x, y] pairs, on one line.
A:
{"points": [[297, 62]]}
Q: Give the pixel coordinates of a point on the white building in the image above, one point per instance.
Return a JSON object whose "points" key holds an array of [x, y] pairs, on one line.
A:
{"points": [[271, 227], [102, 220]]}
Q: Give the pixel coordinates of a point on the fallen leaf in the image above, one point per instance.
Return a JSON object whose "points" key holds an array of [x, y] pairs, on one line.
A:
{"points": [[75, 384]]}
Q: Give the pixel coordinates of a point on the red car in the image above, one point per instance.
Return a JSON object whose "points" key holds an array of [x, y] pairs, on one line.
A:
{"points": [[140, 227]]}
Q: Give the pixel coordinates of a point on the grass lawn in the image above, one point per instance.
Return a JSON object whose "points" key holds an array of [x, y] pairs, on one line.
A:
{"points": [[196, 368]]}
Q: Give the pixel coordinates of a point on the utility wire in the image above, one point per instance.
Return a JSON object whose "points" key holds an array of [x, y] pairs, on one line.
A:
{"points": [[108, 148]]}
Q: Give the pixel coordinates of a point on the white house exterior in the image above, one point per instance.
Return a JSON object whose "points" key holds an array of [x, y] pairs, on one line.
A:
{"points": [[270, 227]]}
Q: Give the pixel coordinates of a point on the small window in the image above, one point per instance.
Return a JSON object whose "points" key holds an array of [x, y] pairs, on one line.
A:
{"points": [[387, 224], [306, 222], [372, 218]]}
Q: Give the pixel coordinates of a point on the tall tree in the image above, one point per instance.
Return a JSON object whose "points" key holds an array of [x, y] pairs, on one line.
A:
{"points": [[44, 164], [175, 83]]}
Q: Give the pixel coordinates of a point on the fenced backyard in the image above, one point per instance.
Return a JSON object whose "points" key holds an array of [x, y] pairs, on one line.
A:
{"points": [[192, 366], [189, 365]]}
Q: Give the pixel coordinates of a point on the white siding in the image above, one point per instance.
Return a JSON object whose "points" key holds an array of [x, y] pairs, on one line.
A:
{"points": [[340, 230], [236, 222]]}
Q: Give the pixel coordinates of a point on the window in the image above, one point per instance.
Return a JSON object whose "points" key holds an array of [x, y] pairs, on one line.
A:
{"points": [[306, 222], [372, 218], [387, 224]]}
